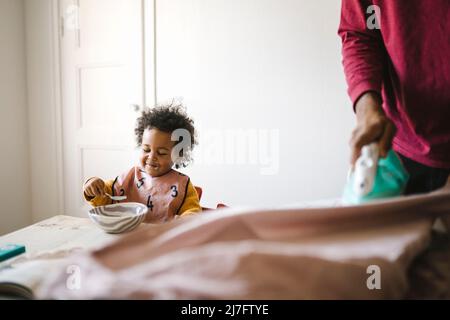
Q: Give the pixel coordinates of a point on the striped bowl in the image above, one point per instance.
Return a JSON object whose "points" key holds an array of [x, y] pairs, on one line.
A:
{"points": [[120, 217]]}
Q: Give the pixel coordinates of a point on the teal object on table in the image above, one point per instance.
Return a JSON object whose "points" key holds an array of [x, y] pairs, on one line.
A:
{"points": [[8, 251], [390, 181]]}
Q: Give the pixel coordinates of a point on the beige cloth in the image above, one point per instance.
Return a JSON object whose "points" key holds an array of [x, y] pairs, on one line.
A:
{"points": [[303, 253]]}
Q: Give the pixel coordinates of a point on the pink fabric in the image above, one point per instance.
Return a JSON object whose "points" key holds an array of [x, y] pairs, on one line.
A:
{"points": [[407, 61], [313, 253], [163, 195]]}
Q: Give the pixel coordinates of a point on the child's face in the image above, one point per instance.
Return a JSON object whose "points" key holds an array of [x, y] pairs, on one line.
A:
{"points": [[156, 156]]}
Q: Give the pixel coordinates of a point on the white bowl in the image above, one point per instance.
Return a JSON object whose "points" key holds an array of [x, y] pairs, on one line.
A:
{"points": [[120, 217]]}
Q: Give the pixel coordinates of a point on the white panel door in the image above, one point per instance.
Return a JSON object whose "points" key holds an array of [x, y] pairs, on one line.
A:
{"points": [[103, 84]]}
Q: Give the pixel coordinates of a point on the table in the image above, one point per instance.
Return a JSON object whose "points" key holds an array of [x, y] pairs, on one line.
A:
{"points": [[59, 233], [46, 242]]}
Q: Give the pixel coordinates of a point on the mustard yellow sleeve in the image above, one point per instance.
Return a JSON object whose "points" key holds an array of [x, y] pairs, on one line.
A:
{"points": [[101, 200], [191, 204]]}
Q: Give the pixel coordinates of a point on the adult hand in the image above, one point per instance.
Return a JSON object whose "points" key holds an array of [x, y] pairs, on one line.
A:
{"points": [[372, 125]]}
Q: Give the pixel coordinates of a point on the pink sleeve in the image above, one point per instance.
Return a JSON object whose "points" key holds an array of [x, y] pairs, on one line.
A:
{"points": [[362, 49]]}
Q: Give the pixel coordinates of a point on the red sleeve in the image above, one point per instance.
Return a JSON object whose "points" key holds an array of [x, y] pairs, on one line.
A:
{"points": [[362, 50]]}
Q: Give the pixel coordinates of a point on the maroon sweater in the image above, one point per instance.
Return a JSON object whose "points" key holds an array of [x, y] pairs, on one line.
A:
{"points": [[407, 61]]}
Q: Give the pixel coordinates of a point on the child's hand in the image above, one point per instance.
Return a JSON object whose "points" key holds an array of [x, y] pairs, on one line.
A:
{"points": [[94, 187]]}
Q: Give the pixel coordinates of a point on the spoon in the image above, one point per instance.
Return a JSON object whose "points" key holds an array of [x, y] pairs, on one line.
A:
{"points": [[116, 198]]}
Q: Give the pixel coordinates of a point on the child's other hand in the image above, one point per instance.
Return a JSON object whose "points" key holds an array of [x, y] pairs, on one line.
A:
{"points": [[94, 187]]}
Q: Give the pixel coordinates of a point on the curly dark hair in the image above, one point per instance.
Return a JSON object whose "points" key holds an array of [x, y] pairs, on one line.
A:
{"points": [[168, 118]]}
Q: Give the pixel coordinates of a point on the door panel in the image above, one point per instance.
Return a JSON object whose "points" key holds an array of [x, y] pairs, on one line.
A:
{"points": [[102, 72]]}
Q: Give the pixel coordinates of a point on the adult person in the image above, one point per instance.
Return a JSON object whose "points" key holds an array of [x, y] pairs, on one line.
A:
{"points": [[396, 57]]}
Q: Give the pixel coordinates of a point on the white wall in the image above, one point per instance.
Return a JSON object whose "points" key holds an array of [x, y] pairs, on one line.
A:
{"points": [[43, 110], [15, 192], [239, 64], [259, 64]]}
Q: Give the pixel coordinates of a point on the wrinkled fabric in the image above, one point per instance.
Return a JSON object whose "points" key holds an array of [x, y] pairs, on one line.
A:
{"points": [[429, 274], [303, 253]]}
